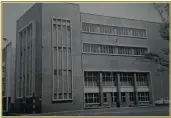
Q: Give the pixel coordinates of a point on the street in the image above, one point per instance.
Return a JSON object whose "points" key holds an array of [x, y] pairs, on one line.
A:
{"points": [[128, 111]]}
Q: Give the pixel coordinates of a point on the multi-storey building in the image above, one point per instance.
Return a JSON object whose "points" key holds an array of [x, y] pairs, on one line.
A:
{"points": [[8, 76], [72, 60]]}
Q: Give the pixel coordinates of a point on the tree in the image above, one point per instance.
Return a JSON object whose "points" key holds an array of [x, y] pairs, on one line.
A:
{"points": [[163, 10]]}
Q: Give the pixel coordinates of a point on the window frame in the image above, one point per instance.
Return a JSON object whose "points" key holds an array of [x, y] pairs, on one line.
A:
{"points": [[120, 30], [92, 48]]}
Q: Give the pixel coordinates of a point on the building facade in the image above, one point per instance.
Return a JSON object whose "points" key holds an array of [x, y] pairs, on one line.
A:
{"points": [[8, 77], [65, 57]]}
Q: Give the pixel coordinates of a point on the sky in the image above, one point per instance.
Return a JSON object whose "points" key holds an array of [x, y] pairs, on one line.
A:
{"points": [[140, 11]]}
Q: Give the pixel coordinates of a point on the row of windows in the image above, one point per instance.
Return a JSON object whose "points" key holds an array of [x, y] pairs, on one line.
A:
{"points": [[25, 61], [113, 30], [113, 49], [110, 78], [63, 96], [94, 98], [63, 49], [62, 60], [25, 86], [26, 36], [61, 72]]}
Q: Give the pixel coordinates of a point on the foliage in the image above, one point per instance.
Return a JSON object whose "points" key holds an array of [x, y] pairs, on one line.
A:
{"points": [[163, 10]]}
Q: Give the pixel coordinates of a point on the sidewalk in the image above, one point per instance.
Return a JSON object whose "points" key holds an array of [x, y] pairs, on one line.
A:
{"points": [[86, 110], [94, 109]]}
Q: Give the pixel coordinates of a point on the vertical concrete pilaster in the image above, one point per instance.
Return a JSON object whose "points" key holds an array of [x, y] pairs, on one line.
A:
{"points": [[127, 99], [150, 85], [118, 88], [135, 88], [109, 99], [101, 88]]}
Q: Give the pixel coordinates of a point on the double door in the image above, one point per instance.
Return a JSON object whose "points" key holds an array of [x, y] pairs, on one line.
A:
{"points": [[110, 99]]}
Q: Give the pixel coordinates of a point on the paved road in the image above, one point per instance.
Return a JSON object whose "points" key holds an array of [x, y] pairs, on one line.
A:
{"points": [[135, 111]]}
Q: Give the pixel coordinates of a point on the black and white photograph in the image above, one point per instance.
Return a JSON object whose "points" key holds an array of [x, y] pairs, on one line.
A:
{"points": [[85, 59]]}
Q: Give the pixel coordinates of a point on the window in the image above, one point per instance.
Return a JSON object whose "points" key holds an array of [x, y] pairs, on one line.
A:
{"points": [[102, 29], [62, 87], [143, 96], [104, 97], [92, 28], [110, 30], [90, 79], [55, 96], [65, 96], [143, 51], [126, 79], [3, 86], [113, 30], [109, 78], [27, 85], [142, 79], [114, 97], [140, 51], [3, 69], [92, 98], [123, 97], [3, 93], [137, 51], [70, 95], [143, 33], [20, 87], [132, 96], [64, 49], [85, 27], [3, 79], [102, 49], [120, 51], [60, 95], [86, 47], [121, 31], [125, 31], [111, 49], [94, 48], [55, 71]]}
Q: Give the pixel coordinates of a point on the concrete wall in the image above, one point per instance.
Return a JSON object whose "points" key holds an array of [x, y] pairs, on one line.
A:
{"points": [[66, 11], [154, 43]]}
